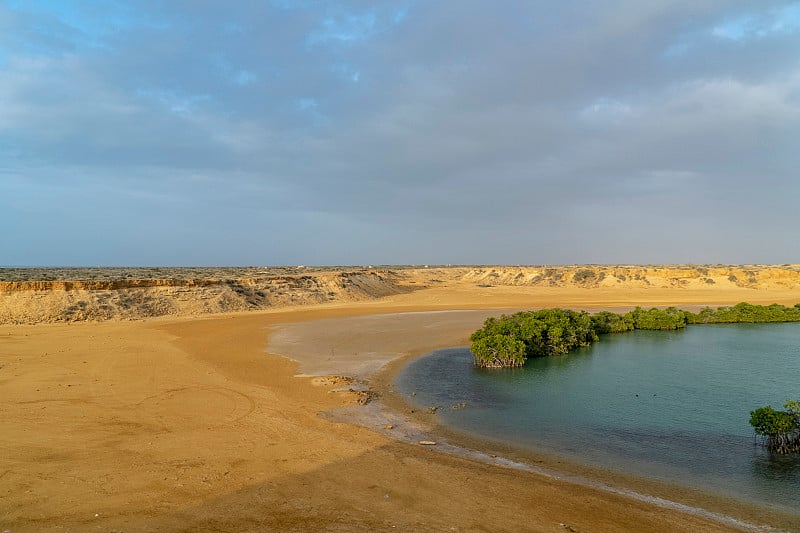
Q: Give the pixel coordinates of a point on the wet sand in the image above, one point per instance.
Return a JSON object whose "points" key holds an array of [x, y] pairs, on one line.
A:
{"points": [[189, 425]]}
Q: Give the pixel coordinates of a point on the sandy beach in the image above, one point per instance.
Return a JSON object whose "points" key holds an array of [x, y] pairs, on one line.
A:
{"points": [[202, 424]]}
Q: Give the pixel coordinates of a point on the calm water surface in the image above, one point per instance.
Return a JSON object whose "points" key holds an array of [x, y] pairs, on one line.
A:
{"points": [[668, 405]]}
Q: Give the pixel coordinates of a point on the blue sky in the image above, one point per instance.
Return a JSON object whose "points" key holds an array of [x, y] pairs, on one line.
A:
{"points": [[356, 132]]}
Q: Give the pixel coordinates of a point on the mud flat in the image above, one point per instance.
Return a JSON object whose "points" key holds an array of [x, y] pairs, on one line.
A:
{"points": [[187, 424]]}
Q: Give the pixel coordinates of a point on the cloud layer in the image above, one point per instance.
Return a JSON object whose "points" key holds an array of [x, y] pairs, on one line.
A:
{"points": [[338, 132]]}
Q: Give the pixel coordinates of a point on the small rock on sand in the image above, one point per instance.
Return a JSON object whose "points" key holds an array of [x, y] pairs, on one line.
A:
{"points": [[427, 443]]}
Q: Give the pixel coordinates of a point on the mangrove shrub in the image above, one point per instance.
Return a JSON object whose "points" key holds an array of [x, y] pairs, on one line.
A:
{"points": [[511, 339], [780, 430], [744, 313], [658, 319]]}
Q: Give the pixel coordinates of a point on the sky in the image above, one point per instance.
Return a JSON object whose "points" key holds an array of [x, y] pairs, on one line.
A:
{"points": [[284, 132]]}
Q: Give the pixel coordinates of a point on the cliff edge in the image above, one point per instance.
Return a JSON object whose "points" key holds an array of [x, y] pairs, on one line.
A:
{"points": [[30, 296]]}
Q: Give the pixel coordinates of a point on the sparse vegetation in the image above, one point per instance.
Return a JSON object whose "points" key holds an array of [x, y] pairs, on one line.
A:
{"points": [[585, 275], [156, 273]]}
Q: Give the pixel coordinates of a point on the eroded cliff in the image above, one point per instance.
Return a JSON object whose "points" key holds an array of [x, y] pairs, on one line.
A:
{"points": [[29, 296]]}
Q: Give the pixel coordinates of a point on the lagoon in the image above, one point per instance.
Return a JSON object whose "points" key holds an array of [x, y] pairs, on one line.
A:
{"points": [[672, 406]]}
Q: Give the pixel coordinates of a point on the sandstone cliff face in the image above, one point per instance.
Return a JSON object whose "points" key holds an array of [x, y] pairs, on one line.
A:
{"points": [[30, 301], [101, 285]]}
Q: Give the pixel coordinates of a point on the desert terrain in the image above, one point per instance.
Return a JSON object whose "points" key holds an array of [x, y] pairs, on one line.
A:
{"points": [[262, 400]]}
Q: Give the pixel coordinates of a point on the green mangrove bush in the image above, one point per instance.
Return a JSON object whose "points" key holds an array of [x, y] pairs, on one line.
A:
{"points": [[508, 341], [779, 430]]}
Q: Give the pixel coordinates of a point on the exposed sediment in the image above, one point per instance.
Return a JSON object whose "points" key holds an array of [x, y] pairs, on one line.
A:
{"points": [[29, 302]]}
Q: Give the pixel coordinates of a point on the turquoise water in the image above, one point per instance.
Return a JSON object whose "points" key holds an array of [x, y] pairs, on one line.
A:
{"points": [[667, 405]]}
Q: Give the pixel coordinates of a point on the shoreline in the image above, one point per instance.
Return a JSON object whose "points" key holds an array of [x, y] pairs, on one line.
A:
{"points": [[423, 426], [192, 424], [722, 508]]}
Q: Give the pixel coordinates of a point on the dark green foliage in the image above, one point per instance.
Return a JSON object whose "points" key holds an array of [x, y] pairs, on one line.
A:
{"points": [[511, 339], [556, 331], [705, 316], [658, 319], [779, 429], [746, 313], [497, 350], [607, 322], [768, 422]]}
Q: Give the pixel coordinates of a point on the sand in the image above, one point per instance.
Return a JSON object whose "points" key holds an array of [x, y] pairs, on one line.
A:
{"points": [[190, 425]]}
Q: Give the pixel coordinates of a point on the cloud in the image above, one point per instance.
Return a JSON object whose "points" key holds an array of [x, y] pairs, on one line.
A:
{"points": [[345, 132], [760, 24]]}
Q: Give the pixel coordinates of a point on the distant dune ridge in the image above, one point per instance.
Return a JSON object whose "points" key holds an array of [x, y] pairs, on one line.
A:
{"points": [[29, 296]]}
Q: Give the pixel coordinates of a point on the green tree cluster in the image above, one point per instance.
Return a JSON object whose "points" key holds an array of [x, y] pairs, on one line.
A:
{"points": [[608, 322], [652, 319], [510, 340], [743, 313], [780, 430], [659, 319]]}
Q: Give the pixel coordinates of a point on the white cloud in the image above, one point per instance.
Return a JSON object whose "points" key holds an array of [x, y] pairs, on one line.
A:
{"points": [[607, 110], [474, 119]]}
